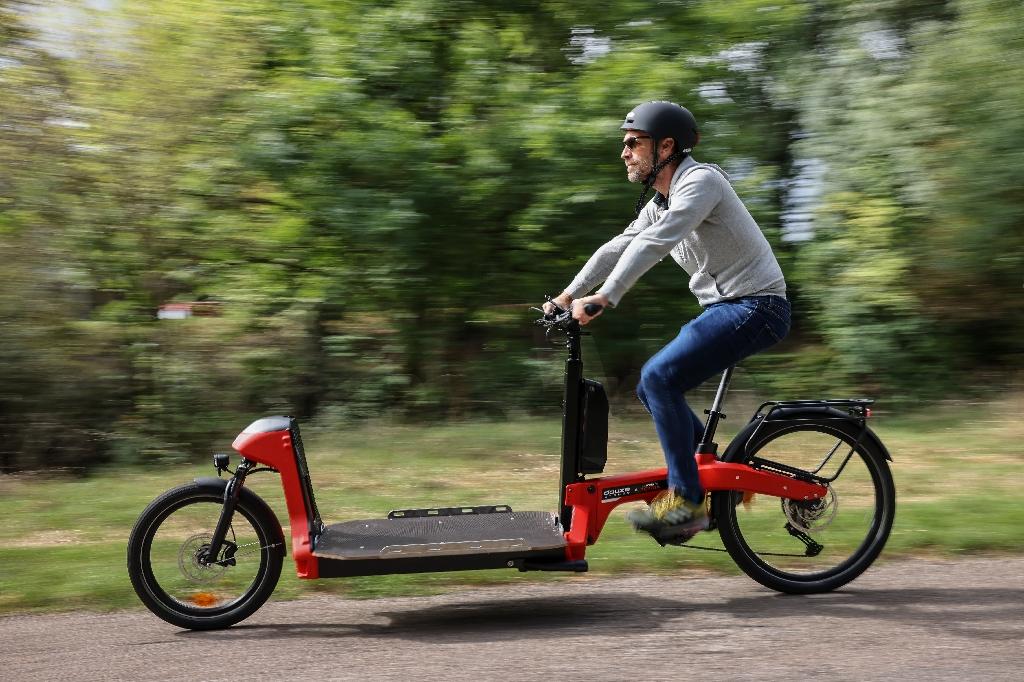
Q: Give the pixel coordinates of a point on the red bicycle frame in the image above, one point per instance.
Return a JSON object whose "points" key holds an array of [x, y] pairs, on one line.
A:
{"points": [[493, 536], [585, 502], [593, 500], [277, 449]]}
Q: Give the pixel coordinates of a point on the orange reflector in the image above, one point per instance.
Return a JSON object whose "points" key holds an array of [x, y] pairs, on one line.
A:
{"points": [[867, 411], [748, 498], [204, 599]]}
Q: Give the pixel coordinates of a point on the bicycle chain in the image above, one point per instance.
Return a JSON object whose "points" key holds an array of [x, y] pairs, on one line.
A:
{"points": [[719, 549]]}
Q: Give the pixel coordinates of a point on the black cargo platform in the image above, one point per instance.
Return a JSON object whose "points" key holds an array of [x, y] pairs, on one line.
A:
{"points": [[424, 540]]}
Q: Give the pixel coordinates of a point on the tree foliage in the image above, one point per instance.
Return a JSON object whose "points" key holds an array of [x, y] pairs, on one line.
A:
{"points": [[369, 196]]}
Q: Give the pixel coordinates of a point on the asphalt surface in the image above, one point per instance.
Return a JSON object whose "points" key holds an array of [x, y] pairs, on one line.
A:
{"points": [[912, 620]]}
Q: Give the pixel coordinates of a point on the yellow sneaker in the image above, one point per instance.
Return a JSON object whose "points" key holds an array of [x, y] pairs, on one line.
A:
{"points": [[670, 518]]}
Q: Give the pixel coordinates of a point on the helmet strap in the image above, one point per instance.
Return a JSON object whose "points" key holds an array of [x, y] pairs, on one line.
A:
{"points": [[653, 175]]}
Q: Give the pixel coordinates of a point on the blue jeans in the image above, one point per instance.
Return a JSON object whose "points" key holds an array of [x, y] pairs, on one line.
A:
{"points": [[718, 338]]}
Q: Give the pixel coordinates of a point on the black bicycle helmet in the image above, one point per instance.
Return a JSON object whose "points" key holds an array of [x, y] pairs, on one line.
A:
{"points": [[661, 120], [665, 119]]}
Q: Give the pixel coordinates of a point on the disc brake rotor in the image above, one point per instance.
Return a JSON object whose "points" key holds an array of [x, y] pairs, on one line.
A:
{"points": [[812, 516], [189, 556]]}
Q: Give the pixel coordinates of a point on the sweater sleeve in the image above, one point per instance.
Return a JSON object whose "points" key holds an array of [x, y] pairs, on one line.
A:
{"points": [[605, 258], [691, 203]]}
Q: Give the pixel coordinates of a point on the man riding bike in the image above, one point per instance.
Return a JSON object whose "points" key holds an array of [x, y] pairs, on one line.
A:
{"points": [[697, 218]]}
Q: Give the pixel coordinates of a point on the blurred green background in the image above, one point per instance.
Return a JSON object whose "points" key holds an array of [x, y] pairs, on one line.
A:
{"points": [[357, 202], [351, 205]]}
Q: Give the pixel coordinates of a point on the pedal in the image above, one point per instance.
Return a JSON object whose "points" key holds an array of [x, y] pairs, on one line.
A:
{"points": [[675, 540], [679, 536]]}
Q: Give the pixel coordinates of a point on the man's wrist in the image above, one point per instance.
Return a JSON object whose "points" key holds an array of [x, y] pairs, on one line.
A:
{"points": [[604, 294]]}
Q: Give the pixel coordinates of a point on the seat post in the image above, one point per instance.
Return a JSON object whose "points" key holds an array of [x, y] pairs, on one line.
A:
{"points": [[707, 444]]}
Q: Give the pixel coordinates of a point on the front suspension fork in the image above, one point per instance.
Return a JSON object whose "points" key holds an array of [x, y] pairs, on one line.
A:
{"points": [[227, 512]]}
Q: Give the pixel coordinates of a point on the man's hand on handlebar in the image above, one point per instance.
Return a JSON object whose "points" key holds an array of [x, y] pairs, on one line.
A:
{"points": [[587, 308], [563, 308], [562, 301]]}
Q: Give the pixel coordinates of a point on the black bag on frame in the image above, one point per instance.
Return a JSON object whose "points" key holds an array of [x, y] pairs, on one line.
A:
{"points": [[594, 439]]}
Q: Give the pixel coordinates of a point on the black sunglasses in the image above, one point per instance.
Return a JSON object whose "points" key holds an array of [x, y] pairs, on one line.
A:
{"points": [[632, 141]]}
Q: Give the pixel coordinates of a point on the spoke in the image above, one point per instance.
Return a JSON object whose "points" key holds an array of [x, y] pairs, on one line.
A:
{"points": [[771, 532], [251, 552]]}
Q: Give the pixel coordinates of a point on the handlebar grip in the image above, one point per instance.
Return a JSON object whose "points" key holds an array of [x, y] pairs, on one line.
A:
{"points": [[592, 309]]}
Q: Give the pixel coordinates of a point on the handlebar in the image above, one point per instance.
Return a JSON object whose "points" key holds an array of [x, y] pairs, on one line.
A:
{"points": [[562, 318]]}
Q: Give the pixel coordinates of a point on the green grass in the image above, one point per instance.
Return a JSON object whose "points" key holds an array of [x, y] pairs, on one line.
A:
{"points": [[958, 475]]}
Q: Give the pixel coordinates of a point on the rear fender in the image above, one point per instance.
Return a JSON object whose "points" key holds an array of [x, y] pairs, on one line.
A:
{"points": [[734, 452]]}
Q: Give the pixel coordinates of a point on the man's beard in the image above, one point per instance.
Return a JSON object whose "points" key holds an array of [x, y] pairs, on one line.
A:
{"points": [[639, 171]]}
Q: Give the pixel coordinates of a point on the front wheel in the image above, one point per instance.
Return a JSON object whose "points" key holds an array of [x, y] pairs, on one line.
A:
{"points": [[803, 547], [175, 578]]}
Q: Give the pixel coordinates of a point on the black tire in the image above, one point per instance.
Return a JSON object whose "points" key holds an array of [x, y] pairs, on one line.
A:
{"points": [[163, 566], [757, 535]]}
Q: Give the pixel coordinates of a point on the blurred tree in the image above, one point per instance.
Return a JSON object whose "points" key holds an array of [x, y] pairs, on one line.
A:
{"points": [[47, 380], [372, 193], [455, 157], [169, 210], [857, 269], [964, 115], [911, 110]]}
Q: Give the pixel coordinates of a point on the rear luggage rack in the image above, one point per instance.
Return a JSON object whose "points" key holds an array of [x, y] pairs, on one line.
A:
{"points": [[857, 407], [855, 410]]}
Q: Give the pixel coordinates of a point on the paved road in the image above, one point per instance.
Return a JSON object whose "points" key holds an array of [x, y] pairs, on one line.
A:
{"points": [[926, 620]]}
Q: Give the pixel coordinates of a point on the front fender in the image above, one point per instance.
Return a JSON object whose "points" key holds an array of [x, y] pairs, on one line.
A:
{"points": [[219, 485]]}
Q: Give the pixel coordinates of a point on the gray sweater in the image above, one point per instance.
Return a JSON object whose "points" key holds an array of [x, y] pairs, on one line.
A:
{"points": [[708, 231]]}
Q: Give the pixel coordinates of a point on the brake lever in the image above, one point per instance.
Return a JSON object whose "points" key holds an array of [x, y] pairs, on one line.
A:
{"points": [[558, 309], [552, 318]]}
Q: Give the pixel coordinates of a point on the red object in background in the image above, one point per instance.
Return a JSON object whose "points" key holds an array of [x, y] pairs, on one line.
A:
{"points": [[181, 311]]}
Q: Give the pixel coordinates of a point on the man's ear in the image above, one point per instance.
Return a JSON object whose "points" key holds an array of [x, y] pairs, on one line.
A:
{"points": [[668, 146]]}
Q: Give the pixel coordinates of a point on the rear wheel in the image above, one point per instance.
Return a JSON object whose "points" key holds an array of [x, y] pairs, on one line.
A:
{"points": [[173, 575], [801, 546]]}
